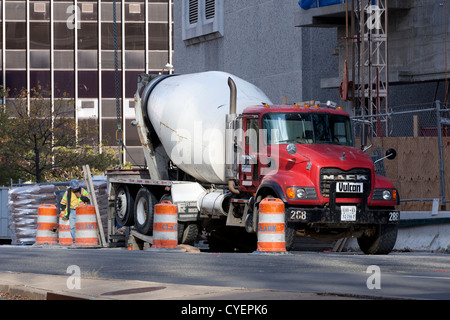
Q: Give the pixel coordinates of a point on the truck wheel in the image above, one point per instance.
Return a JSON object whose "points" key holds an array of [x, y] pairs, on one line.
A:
{"points": [[290, 235], [187, 233], [380, 241], [124, 206], [144, 210]]}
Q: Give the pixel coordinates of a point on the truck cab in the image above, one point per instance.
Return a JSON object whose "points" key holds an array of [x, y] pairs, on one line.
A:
{"points": [[305, 156]]}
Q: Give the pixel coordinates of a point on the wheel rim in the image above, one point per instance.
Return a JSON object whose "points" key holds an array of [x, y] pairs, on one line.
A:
{"points": [[121, 204], [141, 210]]}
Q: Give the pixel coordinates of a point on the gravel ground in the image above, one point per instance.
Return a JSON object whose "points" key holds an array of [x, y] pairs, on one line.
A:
{"points": [[7, 296]]}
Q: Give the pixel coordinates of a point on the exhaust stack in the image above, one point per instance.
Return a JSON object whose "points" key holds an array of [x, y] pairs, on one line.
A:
{"points": [[230, 149]]}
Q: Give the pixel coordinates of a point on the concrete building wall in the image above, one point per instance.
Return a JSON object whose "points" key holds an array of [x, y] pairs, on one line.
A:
{"points": [[261, 44], [417, 42], [417, 54]]}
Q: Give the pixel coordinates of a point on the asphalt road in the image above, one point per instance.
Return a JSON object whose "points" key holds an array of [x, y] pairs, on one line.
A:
{"points": [[397, 275]]}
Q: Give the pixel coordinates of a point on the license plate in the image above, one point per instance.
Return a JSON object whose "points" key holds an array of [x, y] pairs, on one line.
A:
{"points": [[348, 213], [349, 187]]}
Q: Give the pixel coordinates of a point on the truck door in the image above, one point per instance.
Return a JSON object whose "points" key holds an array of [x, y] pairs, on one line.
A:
{"points": [[249, 166]]}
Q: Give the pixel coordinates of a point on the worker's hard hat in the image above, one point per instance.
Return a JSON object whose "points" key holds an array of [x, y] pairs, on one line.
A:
{"points": [[74, 184]]}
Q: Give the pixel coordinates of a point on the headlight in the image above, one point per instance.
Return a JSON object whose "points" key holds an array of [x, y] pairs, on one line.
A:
{"points": [[384, 195], [387, 195], [301, 193]]}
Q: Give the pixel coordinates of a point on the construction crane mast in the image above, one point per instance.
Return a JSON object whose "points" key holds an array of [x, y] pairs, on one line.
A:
{"points": [[370, 94]]}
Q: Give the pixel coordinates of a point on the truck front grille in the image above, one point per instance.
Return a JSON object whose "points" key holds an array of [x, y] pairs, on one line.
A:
{"points": [[330, 175]]}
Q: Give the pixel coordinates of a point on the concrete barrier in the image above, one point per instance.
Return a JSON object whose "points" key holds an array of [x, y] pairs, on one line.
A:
{"points": [[419, 231]]}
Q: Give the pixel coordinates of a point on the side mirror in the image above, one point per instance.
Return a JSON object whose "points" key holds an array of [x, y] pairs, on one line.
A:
{"points": [[391, 154]]}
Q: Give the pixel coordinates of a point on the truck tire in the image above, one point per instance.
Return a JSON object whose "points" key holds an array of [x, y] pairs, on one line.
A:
{"points": [[124, 207], [187, 231], [144, 209], [381, 241], [290, 235]]}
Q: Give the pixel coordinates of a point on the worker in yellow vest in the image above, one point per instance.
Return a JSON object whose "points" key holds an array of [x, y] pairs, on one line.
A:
{"points": [[74, 197]]}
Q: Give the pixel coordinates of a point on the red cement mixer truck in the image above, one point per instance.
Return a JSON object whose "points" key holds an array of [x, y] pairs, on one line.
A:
{"points": [[216, 146]]}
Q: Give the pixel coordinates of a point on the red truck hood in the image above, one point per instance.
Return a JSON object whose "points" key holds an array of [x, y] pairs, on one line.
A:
{"points": [[328, 155]]}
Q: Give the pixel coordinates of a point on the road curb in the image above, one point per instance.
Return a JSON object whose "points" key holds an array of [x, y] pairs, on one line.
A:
{"points": [[46, 287]]}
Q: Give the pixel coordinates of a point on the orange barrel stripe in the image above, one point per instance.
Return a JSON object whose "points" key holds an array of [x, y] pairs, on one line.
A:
{"points": [[65, 237], [271, 226], [86, 226], [271, 246], [165, 226], [46, 223]]}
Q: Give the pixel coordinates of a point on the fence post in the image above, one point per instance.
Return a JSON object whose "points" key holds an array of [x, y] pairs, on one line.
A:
{"points": [[441, 154]]}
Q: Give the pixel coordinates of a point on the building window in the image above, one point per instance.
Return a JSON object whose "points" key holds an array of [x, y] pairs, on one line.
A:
{"points": [[202, 20]]}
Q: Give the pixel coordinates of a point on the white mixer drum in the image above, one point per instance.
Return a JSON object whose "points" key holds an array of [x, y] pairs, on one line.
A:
{"points": [[188, 114]]}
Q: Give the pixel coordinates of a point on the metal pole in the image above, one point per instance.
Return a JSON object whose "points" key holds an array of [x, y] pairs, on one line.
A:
{"points": [[441, 154], [386, 56], [99, 61], [52, 74], [170, 36], [146, 15], [75, 36], [28, 56], [4, 48], [124, 129], [119, 136]]}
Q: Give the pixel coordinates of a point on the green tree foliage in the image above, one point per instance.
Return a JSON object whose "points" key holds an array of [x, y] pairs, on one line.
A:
{"points": [[39, 141]]}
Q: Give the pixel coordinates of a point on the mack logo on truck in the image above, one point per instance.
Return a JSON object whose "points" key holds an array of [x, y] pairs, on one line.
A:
{"points": [[352, 177]]}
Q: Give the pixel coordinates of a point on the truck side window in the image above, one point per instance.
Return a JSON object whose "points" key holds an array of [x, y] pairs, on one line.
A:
{"points": [[252, 134]]}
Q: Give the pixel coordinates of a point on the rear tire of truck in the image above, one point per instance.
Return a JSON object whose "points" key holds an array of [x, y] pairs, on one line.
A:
{"points": [[124, 206], [380, 241], [144, 210], [187, 231]]}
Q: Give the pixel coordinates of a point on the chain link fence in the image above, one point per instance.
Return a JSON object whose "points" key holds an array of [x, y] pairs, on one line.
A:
{"points": [[404, 121], [421, 135]]}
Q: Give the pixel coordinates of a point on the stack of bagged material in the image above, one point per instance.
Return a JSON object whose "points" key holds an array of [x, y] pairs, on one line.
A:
{"points": [[23, 206], [24, 202]]}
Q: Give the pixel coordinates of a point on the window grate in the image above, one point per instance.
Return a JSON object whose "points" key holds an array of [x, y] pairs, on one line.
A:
{"points": [[210, 9], [193, 11]]}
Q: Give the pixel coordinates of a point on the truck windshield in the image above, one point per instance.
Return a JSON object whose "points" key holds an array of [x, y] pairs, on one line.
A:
{"points": [[324, 128]]}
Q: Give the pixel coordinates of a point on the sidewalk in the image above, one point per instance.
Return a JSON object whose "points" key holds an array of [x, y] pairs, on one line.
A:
{"points": [[50, 287]]}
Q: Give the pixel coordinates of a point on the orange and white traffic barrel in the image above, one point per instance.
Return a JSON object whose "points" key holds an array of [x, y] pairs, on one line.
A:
{"points": [[165, 226], [271, 226], [86, 230], [46, 224], [64, 235]]}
